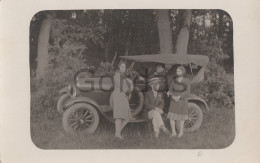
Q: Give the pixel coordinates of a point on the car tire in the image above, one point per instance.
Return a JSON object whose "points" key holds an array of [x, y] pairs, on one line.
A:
{"points": [[80, 117], [195, 118], [140, 105]]}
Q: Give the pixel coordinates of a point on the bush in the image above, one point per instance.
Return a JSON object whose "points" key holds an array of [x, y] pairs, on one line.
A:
{"points": [[45, 91], [218, 87]]}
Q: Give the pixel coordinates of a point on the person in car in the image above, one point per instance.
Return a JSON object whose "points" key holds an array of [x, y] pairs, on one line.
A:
{"points": [[178, 110], [120, 99], [154, 104], [159, 72]]}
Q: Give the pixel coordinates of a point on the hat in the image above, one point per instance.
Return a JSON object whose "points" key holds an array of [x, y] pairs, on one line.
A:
{"points": [[154, 81], [182, 69]]}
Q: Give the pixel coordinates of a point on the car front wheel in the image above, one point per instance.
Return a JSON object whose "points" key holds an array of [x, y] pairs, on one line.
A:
{"points": [[80, 117]]}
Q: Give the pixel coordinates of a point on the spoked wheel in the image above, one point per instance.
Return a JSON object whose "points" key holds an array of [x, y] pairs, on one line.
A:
{"points": [[80, 117], [195, 118]]}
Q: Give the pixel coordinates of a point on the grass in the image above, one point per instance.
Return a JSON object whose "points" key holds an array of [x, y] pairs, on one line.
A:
{"points": [[217, 131]]}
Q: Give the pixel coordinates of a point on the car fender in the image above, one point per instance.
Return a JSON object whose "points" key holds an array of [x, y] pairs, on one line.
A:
{"points": [[65, 90], [198, 100], [87, 100]]}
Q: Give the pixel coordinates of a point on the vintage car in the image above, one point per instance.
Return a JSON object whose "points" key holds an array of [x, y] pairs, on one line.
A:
{"points": [[84, 102]]}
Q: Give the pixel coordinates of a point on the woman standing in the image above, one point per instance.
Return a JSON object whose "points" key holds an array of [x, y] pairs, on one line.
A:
{"points": [[120, 99], [178, 111]]}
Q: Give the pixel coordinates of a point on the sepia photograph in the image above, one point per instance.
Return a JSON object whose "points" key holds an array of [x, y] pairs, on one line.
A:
{"points": [[132, 79], [129, 81]]}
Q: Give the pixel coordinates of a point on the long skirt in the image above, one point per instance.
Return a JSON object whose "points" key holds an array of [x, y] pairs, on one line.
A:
{"points": [[120, 104]]}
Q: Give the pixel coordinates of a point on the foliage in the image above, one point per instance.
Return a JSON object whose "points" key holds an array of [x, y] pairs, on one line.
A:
{"points": [[67, 44], [79, 36], [211, 32], [217, 88], [104, 69]]}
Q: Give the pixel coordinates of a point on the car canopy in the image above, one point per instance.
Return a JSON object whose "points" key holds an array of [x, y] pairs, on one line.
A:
{"points": [[170, 59]]}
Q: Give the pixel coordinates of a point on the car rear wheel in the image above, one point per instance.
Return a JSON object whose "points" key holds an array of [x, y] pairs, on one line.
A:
{"points": [[195, 118], [136, 101], [80, 117]]}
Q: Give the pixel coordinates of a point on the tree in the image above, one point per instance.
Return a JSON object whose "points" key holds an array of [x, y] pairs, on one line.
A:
{"points": [[42, 53], [43, 42], [83, 38], [183, 36], [165, 35]]}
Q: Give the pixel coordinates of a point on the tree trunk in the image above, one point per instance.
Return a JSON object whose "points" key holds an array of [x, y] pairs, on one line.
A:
{"points": [[43, 42], [127, 45], [107, 44], [164, 31], [183, 36], [220, 25]]}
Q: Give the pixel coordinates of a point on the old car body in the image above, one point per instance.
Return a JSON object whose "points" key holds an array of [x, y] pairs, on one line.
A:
{"points": [[86, 99]]}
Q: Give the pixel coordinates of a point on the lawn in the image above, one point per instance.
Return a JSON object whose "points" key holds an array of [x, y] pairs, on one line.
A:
{"points": [[217, 131]]}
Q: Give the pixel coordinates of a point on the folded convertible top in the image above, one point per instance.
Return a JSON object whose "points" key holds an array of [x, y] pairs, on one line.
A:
{"points": [[199, 60]]}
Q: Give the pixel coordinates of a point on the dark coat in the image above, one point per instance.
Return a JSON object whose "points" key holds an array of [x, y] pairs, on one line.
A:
{"points": [[150, 102]]}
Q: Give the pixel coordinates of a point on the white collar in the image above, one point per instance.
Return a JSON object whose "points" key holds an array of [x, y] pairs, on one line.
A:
{"points": [[181, 78]]}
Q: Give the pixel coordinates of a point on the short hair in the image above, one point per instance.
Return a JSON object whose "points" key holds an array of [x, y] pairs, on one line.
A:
{"points": [[120, 63], [182, 69]]}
